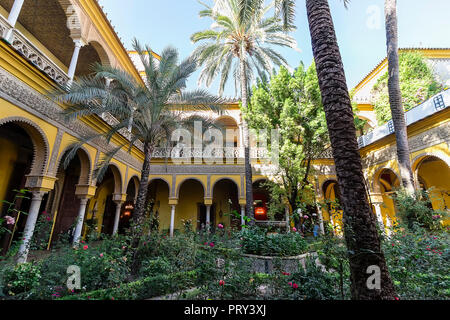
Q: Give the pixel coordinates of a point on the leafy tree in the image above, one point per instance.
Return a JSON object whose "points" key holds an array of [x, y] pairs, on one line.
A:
{"points": [[239, 43], [417, 84], [291, 103]]}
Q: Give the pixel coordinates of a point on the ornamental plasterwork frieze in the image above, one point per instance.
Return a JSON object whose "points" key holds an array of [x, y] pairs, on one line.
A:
{"points": [[196, 169], [36, 103]]}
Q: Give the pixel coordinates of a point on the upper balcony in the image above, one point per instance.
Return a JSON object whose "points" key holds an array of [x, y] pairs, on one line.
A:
{"points": [[62, 38], [433, 105]]}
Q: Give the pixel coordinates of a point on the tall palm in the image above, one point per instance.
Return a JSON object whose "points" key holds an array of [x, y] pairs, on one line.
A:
{"points": [[146, 109], [239, 42], [363, 242], [395, 97]]}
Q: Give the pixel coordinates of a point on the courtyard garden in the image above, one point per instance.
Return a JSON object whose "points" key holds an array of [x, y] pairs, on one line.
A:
{"points": [[249, 264]]}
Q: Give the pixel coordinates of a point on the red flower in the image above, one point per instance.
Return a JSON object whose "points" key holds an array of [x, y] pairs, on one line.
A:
{"points": [[85, 247], [295, 286], [221, 283], [396, 298], [290, 284], [286, 274], [211, 244]]}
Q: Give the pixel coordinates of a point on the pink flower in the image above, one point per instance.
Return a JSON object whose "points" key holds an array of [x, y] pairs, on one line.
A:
{"points": [[294, 229], [10, 220], [85, 247], [306, 217], [220, 226], [49, 218], [295, 286], [123, 248], [101, 255], [396, 298], [211, 244], [221, 283], [290, 284]]}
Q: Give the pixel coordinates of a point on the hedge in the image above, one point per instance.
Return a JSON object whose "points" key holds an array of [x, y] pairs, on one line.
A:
{"points": [[144, 288]]}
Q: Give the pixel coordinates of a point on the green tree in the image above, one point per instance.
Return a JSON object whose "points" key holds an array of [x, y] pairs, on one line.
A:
{"points": [[291, 103], [145, 109], [417, 84], [239, 43]]}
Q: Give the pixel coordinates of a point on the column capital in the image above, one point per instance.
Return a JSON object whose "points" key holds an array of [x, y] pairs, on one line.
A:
{"points": [[208, 201], [40, 183], [79, 42], [119, 198], [173, 201], [85, 191]]}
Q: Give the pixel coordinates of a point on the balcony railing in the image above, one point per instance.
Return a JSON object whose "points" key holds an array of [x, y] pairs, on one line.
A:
{"points": [[31, 53], [204, 153]]}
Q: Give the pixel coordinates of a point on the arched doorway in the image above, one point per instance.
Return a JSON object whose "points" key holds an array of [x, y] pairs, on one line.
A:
{"points": [[434, 176], [333, 211], [158, 210], [64, 204], [16, 148], [388, 182], [191, 204], [261, 198], [225, 194]]}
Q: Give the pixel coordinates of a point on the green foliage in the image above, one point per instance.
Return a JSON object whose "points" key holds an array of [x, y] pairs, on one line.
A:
{"points": [[418, 263], [292, 104], [257, 241], [417, 210], [239, 35], [21, 278], [417, 84], [143, 288]]}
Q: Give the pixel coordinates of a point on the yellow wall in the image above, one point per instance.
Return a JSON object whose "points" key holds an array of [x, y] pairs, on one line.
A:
{"points": [[9, 153], [191, 193]]}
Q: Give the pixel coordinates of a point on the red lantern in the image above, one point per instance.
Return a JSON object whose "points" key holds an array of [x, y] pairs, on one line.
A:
{"points": [[260, 213]]}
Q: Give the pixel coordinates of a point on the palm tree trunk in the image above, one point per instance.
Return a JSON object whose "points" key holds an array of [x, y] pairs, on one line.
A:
{"points": [[248, 167], [363, 241], [395, 97], [139, 211]]}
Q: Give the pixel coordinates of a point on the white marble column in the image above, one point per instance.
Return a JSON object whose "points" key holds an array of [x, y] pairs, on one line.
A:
{"points": [[29, 227], [74, 61], [378, 214], [117, 216], [208, 218], [172, 219], [80, 220], [322, 227], [13, 16], [288, 220], [15, 11], [242, 215]]}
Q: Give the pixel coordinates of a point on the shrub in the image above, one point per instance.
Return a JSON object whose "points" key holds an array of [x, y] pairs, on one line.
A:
{"points": [[22, 278], [257, 241], [418, 263], [418, 210]]}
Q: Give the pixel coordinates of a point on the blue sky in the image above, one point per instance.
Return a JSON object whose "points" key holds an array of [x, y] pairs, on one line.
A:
{"points": [[360, 30]]}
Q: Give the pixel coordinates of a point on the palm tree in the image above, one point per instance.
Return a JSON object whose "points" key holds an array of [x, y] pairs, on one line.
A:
{"points": [[395, 97], [363, 241], [239, 42], [144, 109]]}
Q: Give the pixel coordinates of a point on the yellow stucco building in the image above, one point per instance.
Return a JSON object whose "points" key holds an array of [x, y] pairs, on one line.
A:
{"points": [[48, 43]]}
